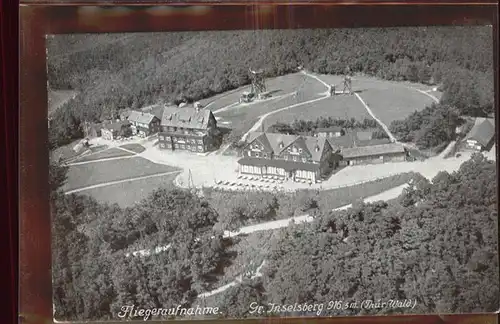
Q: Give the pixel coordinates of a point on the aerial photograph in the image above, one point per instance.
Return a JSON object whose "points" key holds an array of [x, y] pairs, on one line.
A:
{"points": [[273, 173]]}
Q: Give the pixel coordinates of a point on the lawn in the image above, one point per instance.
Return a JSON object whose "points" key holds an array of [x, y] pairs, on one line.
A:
{"points": [[128, 193], [109, 153], [342, 107], [238, 117], [277, 86], [137, 148], [395, 104], [389, 100], [89, 174]]}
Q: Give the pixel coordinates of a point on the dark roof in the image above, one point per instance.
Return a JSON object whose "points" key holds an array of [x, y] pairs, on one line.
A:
{"points": [[277, 143], [141, 117], [287, 165], [116, 126], [333, 129], [365, 151], [482, 131], [186, 117], [340, 142]]}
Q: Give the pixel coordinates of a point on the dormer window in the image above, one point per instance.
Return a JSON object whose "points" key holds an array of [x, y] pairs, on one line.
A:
{"points": [[316, 148], [300, 150]]}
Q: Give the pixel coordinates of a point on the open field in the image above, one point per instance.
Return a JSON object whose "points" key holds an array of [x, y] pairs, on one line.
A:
{"points": [[94, 173], [126, 194], [342, 107], [237, 116], [276, 86], [137, 148], [389, 100], [109, 153], [394, 104]]}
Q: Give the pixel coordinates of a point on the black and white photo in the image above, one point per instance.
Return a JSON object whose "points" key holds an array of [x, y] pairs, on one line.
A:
{"points": [[301, 172]]}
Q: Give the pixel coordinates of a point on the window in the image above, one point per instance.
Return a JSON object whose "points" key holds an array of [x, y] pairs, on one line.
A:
{"points": [[286, 157], [162, 145], [265, 155], [295, 158], [200, 141], [257, 154], [188, 147], [162, 137], [169, 146], [300, 150], [183, 146], [249, 153], [200, 148]]}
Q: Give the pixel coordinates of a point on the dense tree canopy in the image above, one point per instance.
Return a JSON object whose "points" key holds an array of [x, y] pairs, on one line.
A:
{"points": [[114, 72], [429, 127], [93, 279], [433, 247]]}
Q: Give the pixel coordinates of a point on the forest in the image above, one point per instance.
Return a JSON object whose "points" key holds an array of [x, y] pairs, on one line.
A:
{"points": [[113, 72], [439, 236], [429, 128]]}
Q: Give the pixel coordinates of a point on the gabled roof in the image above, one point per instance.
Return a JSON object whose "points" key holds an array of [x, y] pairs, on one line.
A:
{"points": [[366, 151], [277, 143], [186, 117], [261, 138], [483, 131], [141, 117]]}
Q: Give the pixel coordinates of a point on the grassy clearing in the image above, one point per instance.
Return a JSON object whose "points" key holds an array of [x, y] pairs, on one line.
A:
{"points": [[137, 148], [128, 193], [343, 107], [395, 104], [389, 100], [101, 172], [110, 153], [278, 86]]}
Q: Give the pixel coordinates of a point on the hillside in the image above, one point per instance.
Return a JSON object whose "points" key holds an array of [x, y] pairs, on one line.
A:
{"points": [[121, 71]]}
